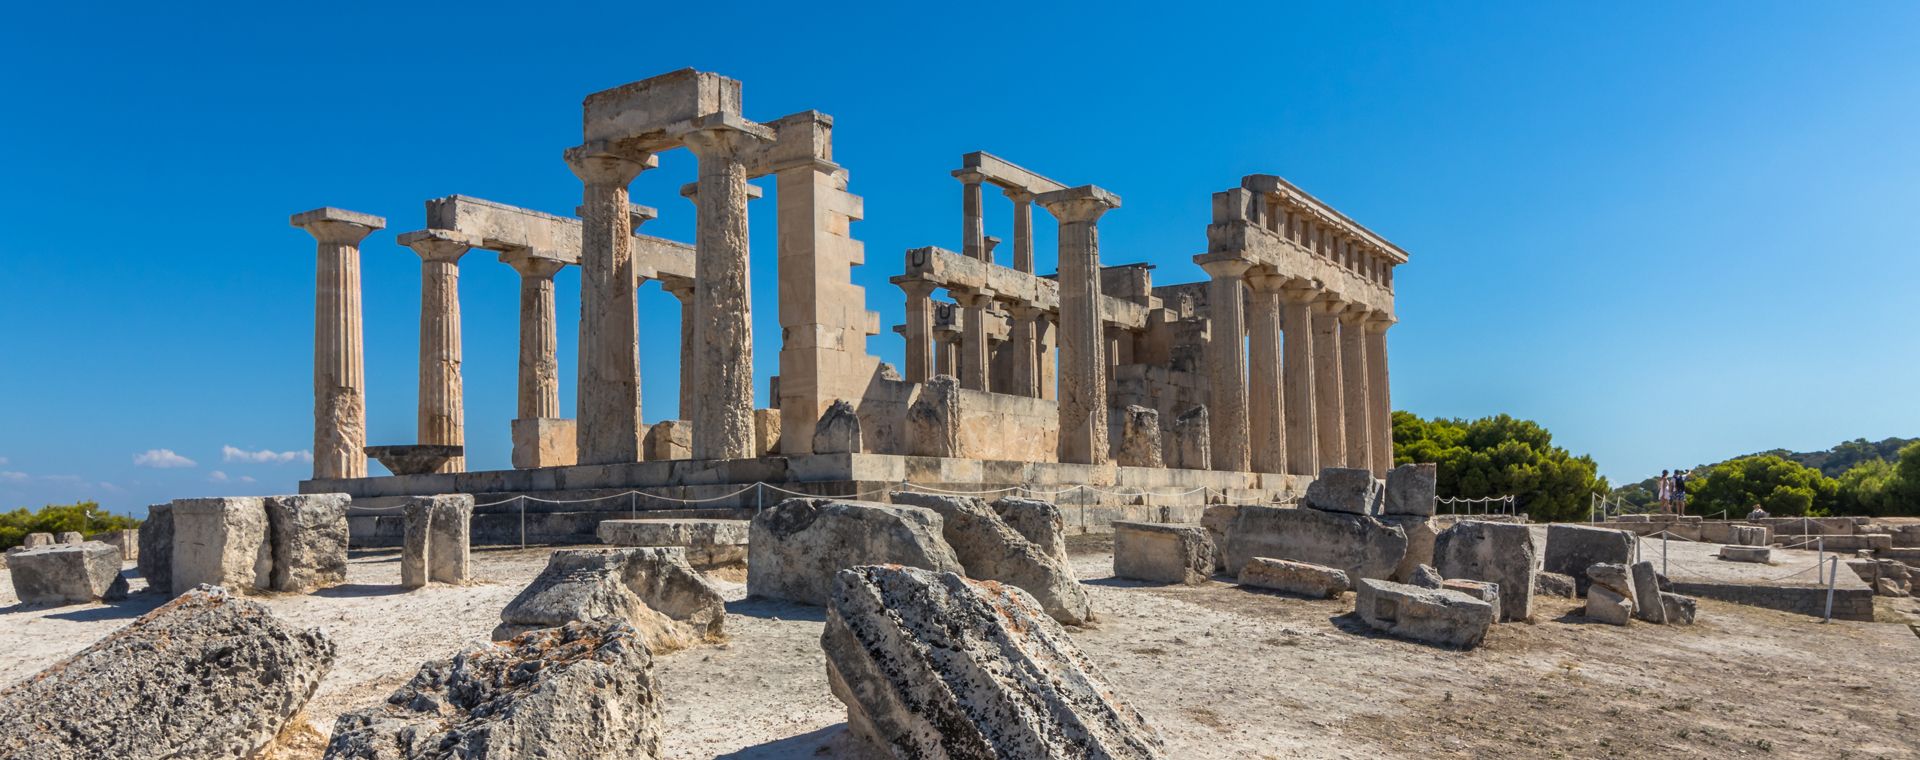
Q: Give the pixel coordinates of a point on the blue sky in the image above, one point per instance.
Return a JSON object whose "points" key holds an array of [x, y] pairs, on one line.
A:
{"points": [[1669, 233]]}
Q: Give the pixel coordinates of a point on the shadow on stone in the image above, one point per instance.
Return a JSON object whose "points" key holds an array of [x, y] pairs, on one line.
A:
{"points": [[832, 741], [359, 590], [133, 607], [1576, 618], [1118, 582], [775, 609]]}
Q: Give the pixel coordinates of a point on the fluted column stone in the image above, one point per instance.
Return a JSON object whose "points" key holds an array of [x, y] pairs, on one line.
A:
{"points": [[1380, 405], [1328, 420], [1024, 335], [1227, 364], [539, 386], [920, 358], [339, 353], [1083, 387], [1354, 380], [1022, 229], [682, 290], [974, 351], [1297, 378], [442, 415], [1266, 417], [723, 301], [608, 399]]}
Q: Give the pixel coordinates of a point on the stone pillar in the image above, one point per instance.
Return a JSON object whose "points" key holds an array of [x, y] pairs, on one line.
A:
{"points": [[1227, 363], [1047, 333], [1022, 229], [1328, 421], [442, 419], [539, 395], [1026, 350], [1303, 456], [973, 339], [920, 361], [682, 289], [1380, 407], [948, 356], [1083, 390], [339, 359], [1266, 418], [608, 398], [723, 301], [1353, 373], [973, 230]]}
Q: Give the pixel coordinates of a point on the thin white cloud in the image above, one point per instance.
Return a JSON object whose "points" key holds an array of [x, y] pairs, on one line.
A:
{"points": [[263, 456], [162, 459], [9, 476], [247, 479], [217, 476]]}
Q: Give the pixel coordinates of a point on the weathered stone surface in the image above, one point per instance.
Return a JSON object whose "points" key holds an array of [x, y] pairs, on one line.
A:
{"points": [[1485, 591], [1360, 545], [1435, 616], [1410, 489], [796, 546], [1500, 553], [1679, 610], [933, 665], [653, 589], [991, 550], [309, 537], [933, 420], [1646, 594], [766, 432], [67, 574], [1887, 577], [1190, 441], [1759, 554], [1218, 520], [1571, 549], [545, 442], [1162, 552], [1421, 532], [1351, 490], [1610, 593], [1425, 576], [221, 542], [1140, 441], [416, 517], [416, 459], [1040, 521], [37, 540], [1554, 584], [838, 431], [449, 539], [1294, 578], [71, 537], [578, 692], [127, 541], [713, 546], [207, 675], [156, 548], [669, 440]]}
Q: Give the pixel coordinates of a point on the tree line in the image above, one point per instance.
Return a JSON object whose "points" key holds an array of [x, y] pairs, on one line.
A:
{"points": [[85, 518]]}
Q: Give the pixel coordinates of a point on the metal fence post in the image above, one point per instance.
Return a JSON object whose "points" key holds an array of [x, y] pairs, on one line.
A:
{"points": [[1832, 578]]}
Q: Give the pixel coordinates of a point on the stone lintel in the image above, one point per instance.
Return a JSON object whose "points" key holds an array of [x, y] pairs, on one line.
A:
{"points": [[691, 189], [954, 271], [331, 214], [1288, 259], [1273, 185], [1006, 175], [511, 229], [658, 105]]}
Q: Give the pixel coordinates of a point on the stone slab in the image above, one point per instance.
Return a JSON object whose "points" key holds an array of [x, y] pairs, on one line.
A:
{"points": [[221, 542], [1571, 549], [1436, 616], [1162, 552], [1298, 578], [77, 573]]}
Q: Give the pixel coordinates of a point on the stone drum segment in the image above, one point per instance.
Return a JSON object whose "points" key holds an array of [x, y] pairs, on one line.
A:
{"points": [[713, 546]]}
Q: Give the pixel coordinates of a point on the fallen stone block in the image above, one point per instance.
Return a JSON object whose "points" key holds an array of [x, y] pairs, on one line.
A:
{"points": [[309, 537], [435, 545], [1500, 553], [1425, 576], [1140, 441], [713, 546], [155, 561], [1760, 554], [1298, 578], [1422, 534], [838, 431], [933, 665], [1571, 549], [1610, 593], [796, 546], [70, 537], [1040, 521], [668, 440], [207, 675], [1410, 489], [1360, 545], [1485, 591], [1162, 552], [1679, 610], [1218, 520], [1189, 441], [991, 550], [67, 574], [1554, 584], [1435, 616], [127, 541], [578, 692], [933, 419], [221, 542], [1646, 594], [1352, 490], [652, 589], [37, 540]]}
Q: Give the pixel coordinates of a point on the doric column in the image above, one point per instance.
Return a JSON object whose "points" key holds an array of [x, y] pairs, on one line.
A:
{"points": [[1046, 334], [973, 229], [682, 289], [920, 360], [442, 401], [973, 339], [539, 366], [1026, 350], [1227, 363], [1328, 404], [1353, 373], [1022, 229], [723, 302], [339, 360], [1303, 456], [1083, 389], [1266, 420], [1380, 406], [608, 399]]}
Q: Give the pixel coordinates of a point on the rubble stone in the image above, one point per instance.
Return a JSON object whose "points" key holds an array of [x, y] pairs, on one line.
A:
{"points": [[668, 440], [127, 541], [1610, 593], [1679, 610], [1571, 549], [713, 546], [1360, 545], [1422, 533], [653, 589], [37, 540], [1760, 554], [67, 574], [1292, 577], [1140, 441], [933, 419], [1218, 519], [1162, 552], [991, 550], [156, 548], [1190, 441], [1500, 553], [796, 546], [1410, 489], [221, 542], [1435, 616], [1040, 521], [838, 431], [1553, 584], [1352, 490], [1425, 576], [308, 533], [1646, 594], [1485, 591], [71, 537]]}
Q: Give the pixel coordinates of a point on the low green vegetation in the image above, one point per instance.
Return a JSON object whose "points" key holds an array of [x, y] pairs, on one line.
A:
{"points": [[1498, 456], [1857, 477], [85, 517]]}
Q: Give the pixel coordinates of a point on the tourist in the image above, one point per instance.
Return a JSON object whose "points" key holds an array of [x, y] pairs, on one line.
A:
{"points": [[1756, 514], [1664, 492], [1679, 492]]}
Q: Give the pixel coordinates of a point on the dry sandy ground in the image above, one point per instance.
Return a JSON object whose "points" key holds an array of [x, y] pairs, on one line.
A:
{"points": [[1223, 672]]}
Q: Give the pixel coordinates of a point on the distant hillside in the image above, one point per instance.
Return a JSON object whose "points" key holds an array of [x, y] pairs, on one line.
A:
{"points": [[1830, 463]]}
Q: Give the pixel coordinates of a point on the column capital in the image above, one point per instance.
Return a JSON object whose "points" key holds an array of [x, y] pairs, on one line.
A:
{"points": [[636, 215], [1226, 269], [680, 287], [1078, 204], [531, 264], [725, 136], [915, 287], [439, 245], [1263, 280], [1019, 194], [1329, 303], [1355, 315], [1025, 311], [969, 176], [973, 298], [691, 190], [337, 225], [1298, 291], [603, 163], [1379, 321]]}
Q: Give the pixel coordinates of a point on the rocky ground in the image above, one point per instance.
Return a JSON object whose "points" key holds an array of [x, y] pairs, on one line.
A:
{"points": [[1224, 672]]}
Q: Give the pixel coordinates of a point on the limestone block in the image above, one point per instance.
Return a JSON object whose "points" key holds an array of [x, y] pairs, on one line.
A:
{"points": [[933, 665], [1292, 577], [416, 520], [1571, 549], [127, 541], [1435, 616], [1679, 610], [67, 574], [1422, 533], [1040, 521], [1425, 576], [991, 550], [1608, 606], [1139, 438], [578, 692], [1481, 590], [712, 546], [156, 548], [669, 440], [221, 542], [796, 546], [1500, 553], [37, 540], [653, 589], [766, 432], [1351, 490], [1553, 584], [545, 442], [1162, 552], [1362, 546], [1411, 489], [1190, 441], [448, 538], [71, 537], [933, 420], [1646, 594], [309, 537], [1759, 554], [838, 431], [657, 107], [1218, 520], [207, 675]]}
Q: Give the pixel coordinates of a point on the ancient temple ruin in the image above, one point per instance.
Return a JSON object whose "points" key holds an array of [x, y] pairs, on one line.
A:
{"points": [[1093, 386]]}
